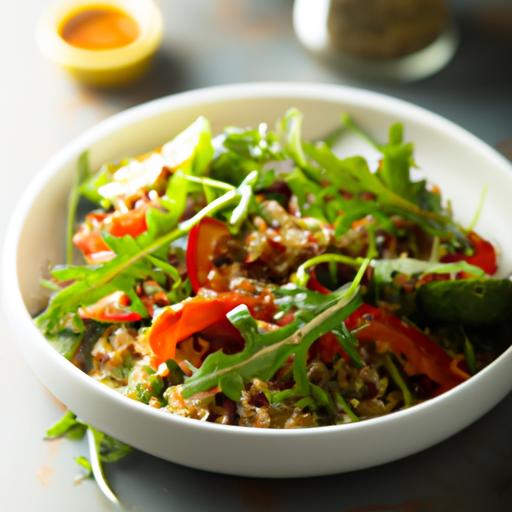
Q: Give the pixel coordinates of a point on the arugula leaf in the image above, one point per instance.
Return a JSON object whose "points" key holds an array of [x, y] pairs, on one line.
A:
{"points": [[241, 151], [353, 210], [290, 127], [264, 353], [291, 296], [345, 407], [90, 187], [385, 268], [67, 340], [85, 464], [349, 344], [301, 277], [392, 186], [340, 172], [174, 201], [396, 164], [398, 379], [240, 212], [307, 192], [110, 449], [260, 145]]}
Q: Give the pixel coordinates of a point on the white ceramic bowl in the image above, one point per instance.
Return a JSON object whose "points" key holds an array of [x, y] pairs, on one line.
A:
{"points": [[450, 156]]}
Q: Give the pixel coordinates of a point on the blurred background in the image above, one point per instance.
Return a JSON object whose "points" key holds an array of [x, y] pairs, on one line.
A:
{"points": [[454, 58]]}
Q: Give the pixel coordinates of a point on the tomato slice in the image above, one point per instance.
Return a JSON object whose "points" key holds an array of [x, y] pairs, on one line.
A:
{"points": [[89, 236], [178, 322], [132, 222], [112, 309], [484, 255], [423, 355], [202, 240]]}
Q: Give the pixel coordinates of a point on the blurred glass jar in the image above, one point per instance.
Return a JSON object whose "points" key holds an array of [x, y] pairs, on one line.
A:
{"points": [[390, 39]]}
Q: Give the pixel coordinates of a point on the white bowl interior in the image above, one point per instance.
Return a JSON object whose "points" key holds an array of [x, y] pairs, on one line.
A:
{"points": [[447, 155]]}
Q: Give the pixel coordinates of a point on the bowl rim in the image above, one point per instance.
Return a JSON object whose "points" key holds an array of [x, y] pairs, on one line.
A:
{"points": [[19, 316]]}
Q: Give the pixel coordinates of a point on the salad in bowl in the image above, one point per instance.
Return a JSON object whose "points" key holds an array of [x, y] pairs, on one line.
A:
{"points": [[259, 279], [276, 275]]}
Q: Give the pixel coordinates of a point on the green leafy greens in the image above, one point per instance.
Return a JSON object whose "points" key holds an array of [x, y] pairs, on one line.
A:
{"points": [[131, 263], [102, 449]]}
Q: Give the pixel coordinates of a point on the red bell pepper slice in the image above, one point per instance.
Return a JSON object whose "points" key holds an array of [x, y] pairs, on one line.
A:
{"points": [[202, 240], [484, 255], [423, 356], [315, 285], [111, 309], [327, 347], [177, 323]]}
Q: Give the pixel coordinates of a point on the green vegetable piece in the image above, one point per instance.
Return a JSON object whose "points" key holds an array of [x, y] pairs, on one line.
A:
{"points": [[68, 426], [349, 344], [384, 268], [89, 188], [110, 449], [84, 463], [301, 277], [468, 301], [65, 342], [469, 355], [398, 379], [95, 440], [345, 407], [321, 396], [232, 385], [176, 375]]}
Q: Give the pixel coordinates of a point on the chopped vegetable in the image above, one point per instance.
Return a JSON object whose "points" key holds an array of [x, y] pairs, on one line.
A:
{"points": [[422, 355], [202, 240], [177, 323], [468, 302]]}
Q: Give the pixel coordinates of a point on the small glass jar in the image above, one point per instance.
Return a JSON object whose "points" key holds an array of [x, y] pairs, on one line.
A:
{"points": [[389, 39]]}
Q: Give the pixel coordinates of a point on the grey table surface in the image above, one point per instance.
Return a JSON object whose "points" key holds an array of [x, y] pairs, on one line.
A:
{"points": [[209, 43]]}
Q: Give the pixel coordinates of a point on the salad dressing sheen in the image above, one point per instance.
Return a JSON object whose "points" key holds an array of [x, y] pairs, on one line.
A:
{"points": [[99, 28]]}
